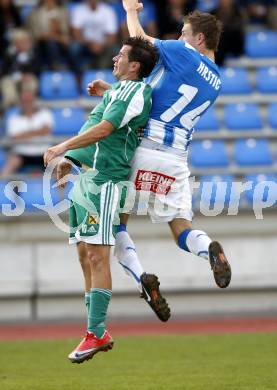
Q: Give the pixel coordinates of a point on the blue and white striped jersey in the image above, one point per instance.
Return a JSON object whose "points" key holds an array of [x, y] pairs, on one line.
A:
{"points": [[185, 83]]}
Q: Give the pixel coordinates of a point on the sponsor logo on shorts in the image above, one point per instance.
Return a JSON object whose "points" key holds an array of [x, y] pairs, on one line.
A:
{"points": [[93, 220], [153, 181]]}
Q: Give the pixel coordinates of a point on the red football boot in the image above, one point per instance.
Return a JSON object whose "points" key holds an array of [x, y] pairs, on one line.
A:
{"points": [[89, 346]]}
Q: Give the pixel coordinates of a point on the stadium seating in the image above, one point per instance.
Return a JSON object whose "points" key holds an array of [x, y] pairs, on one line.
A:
{"points": [[242, 117], [8, 113], [58, 85], [208, 154], [261, 44], [208, 121], [272, 115], [215, 190], [3, 198], [68, 120], [90, 75], [252, 152], [25, 10], [36, 194], [266, 191], [3, 157], [235, 81], [266, 79]]}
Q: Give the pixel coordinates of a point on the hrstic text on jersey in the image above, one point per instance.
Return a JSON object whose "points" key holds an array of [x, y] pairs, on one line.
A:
{"points": [[209, 76]]}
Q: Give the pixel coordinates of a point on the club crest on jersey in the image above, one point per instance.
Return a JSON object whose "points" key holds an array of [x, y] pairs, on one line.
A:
{"points": [[154, 182], [93, 219]]}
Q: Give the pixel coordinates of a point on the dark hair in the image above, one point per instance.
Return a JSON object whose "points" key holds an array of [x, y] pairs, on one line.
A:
{"points": [[207, 24], [143, 52]]}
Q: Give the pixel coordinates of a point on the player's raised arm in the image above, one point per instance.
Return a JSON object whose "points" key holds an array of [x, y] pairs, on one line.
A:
{"points": [[91, 136], [132, 8]]}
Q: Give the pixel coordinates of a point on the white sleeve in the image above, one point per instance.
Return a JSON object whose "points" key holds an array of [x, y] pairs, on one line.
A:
{"points": [[112, 26], [47, 118], [77, 19], [14, 126]]}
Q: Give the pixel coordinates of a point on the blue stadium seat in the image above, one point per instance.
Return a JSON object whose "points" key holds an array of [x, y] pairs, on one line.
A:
{"points": [[71, 7], [266, 79], [90, 75], [235, 81], [3, 157], [3, 198], [266, 192], [272, 115], [208, 154], [242, 116], [208, 121], [68, 120], [9, 113], [261, 44], [58, 85], [25, 11], [251, 151], [34, 194], [215, 189]]}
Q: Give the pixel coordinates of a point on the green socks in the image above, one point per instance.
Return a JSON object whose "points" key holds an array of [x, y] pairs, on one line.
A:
{"points": [[98, 306], [87, 301]]}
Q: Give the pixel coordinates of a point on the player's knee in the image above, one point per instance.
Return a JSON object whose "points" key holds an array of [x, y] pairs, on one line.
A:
{"points": [[96, 259]]}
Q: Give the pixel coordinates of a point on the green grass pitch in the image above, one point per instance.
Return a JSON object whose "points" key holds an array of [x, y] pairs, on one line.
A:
{"points": [[199, 362]]}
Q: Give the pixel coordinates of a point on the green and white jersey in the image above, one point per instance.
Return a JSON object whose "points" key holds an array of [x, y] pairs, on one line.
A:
{"points": [[126, 105]]}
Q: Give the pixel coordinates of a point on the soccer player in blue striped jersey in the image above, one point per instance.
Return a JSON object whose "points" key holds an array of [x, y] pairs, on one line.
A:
{"points": [[185, 83]]}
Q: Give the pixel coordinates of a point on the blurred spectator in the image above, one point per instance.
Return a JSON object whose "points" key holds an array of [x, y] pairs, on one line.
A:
{"points": [[261, 11], [171, 17], [232, 38], [28, 131], [95, 31], [19, 68], [148, 18], [9, 19], [49, 25]]}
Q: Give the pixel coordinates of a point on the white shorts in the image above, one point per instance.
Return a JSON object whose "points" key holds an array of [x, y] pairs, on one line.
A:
{"points": [[160, 186]]}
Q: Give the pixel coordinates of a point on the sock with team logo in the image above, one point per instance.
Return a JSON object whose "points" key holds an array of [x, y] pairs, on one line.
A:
{"points": [[196, 242], [87, 301], [125, 251], [99, 302]]}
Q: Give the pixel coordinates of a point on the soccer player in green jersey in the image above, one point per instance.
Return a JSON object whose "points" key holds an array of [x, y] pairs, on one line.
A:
{"points": [[110, 133]]}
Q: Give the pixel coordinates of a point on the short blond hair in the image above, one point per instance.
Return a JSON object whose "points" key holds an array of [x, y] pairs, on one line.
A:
{"points": [[209, 25]]}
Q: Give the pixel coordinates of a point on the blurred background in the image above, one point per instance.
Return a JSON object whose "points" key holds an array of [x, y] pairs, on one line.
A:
{"points": [[49, 51]]}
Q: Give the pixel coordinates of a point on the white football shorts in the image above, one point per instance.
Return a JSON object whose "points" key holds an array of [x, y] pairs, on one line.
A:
{"points": [[159, 184]]}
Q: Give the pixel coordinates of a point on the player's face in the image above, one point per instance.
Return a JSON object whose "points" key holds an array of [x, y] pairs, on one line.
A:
{"points": [[122, 63], [187, 36]]}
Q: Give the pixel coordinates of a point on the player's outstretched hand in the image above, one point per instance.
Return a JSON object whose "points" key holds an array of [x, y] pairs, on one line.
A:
{"points": [[63, 169], [97, 87], [53, 152], [132, 5]]}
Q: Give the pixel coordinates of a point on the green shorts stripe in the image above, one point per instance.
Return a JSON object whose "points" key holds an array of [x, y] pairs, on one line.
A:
{"points": [[108, 211], [109, 214], [107, 206]]}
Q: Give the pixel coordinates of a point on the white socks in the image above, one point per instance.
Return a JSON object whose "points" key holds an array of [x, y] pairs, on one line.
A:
{"points": [[126, 254], [198, 243]]}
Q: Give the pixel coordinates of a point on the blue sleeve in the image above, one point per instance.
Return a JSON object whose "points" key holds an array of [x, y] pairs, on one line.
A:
{"points": [[172, 51]]}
